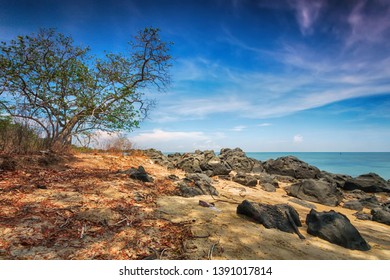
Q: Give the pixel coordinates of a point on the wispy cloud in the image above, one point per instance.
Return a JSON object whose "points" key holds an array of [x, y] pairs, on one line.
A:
{"points": [[365, 27], [181, 140], [298, 139], [238, 128], [264, 124], [307, 12]]}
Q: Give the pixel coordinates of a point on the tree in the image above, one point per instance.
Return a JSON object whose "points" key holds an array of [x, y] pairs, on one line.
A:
{"points": [[47, 80]]}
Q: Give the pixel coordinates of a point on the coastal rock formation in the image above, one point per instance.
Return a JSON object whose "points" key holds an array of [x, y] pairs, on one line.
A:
{"points": [[280, 216], [159, 158], [209, 163], [196, 184], [335, 228], [381, 215], [370, 202], [371, 183], [293, 167], [316, 191], [245, 179], [237, 160]]}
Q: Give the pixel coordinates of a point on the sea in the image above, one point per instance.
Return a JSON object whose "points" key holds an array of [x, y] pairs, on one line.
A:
{"points": [[353, 164]]}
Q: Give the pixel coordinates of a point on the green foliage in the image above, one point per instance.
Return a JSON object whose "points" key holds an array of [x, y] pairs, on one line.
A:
{"points": [[60, 87]]}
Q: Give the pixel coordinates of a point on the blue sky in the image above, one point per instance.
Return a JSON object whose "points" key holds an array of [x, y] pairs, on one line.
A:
{"points": [[293, 75]]}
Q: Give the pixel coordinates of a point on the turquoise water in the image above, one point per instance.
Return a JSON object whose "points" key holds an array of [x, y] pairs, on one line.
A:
{"points": [[352, 164]]}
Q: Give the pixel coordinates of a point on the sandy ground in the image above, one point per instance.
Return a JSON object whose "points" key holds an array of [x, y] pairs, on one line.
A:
{"points": [[88, 210], [222, 234]]}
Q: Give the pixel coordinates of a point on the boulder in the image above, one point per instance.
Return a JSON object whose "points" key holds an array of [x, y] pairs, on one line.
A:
{"points": [[335, 228], [268, 187], [216, 167], [237, 160], [380, 215], [159, 158], [245, 179], [139, 174], [338, 179], [293, 167], [317, 191], [196, 184], [190, 163], [371, 183], [280, 216], [370, 202], [363, 216], [353, 205]]}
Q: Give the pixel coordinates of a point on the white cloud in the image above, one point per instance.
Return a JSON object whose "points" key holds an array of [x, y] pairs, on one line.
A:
{"points": [[179, 140], [298, 139], [264, 124], [238, 128], [307, 12]]}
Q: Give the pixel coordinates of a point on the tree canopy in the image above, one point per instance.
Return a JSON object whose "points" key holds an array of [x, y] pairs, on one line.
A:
{"points": [[66, 91]]}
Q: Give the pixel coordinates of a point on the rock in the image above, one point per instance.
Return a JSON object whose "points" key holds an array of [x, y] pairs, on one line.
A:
{"points": [[139, 174], [380, 215], [335, 228], [353, 205], [265, 178], [291, 166], [268, 187], [338, 179], [370, 202], [173, 177], [159, 158], [196, 184], [302, 203], [371, 183], [363, 216], [316, 191], [267, 182], [281, 216], [216, 167], [190, 163], [245, 179], [237, 160]]}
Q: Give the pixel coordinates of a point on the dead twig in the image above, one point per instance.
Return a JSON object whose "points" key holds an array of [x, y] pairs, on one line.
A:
{"points": [[210, 254]]}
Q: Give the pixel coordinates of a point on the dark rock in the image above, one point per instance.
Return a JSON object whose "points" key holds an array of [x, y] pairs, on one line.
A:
{"points": [[370, 202], [316, 191], [216, 167], [302, 203], [159, 158], [291, 166], [371, 183], [190, 163], [196, 184], [245, 179], [335, 228], [363, 216], [353, 205], [173, 177], [338, 179], [268, 187], [380, 215], [139, 174], [265, 178], [281, 216], [237, 160]]}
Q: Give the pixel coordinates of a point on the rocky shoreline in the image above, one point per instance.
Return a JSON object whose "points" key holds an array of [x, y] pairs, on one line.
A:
{"points": [[306, 184]]}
